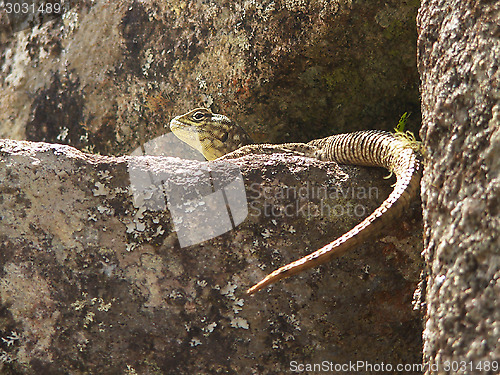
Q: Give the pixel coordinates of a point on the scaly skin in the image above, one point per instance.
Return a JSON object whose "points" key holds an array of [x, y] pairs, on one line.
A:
{"points": [[215, 136]]}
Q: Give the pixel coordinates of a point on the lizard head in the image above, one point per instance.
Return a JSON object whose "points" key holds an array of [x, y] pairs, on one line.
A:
{"points": [[211, 134]]}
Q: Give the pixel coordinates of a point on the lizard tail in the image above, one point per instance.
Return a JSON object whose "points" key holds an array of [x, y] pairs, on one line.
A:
{"points": [[370, 148]]}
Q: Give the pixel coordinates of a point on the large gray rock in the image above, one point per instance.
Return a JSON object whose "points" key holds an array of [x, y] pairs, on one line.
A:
{"points": [[459, 55], [94, 280], [108, 76]]}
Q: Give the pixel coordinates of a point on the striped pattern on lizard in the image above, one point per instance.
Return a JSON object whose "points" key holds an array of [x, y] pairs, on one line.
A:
{"points": [[217, 137]]}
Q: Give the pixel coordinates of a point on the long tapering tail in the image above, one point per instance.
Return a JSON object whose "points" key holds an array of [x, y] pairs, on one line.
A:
{"points": [[367, 148]]}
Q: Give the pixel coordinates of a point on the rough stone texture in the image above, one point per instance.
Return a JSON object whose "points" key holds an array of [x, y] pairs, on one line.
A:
{"points": [[459, 56], [92, 282], [109, 75]]}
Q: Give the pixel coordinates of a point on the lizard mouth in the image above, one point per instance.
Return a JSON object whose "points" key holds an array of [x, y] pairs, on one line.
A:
{"points": [[176, 124], [180, 128], [187, 133]]}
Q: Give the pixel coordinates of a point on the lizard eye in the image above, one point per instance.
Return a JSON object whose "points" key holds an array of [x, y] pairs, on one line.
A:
{"points": [[224, 137], [198, 116]]}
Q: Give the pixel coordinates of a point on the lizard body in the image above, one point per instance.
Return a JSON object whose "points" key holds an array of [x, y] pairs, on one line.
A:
{"points": [[217, 137]]}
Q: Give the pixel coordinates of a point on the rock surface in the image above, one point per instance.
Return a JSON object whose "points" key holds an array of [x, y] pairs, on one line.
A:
{"points": [[108, 76], [459, 55], [94, 281]]}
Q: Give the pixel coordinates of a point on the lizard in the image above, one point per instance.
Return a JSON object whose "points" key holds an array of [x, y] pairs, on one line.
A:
{"points": [[217, 137]]}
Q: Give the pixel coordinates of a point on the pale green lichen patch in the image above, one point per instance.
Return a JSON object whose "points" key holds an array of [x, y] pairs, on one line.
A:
{"points": [[239, 322], [100, 189]]}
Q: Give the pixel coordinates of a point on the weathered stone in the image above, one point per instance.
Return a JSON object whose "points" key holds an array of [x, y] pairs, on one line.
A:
{"points": [[92, 281], [459, 56], [109, 75]]}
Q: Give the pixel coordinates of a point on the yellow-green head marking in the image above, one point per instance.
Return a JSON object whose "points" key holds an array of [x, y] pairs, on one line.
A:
{"points": [[211, 134]]}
